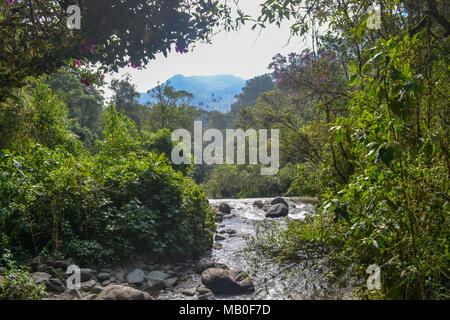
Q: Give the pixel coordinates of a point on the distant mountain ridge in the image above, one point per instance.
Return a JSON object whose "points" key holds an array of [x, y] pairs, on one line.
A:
{"points": [[210, 92]]}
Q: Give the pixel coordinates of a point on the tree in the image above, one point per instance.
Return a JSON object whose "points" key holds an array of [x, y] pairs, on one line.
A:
{"points": [[36, 39], [172, 108]]}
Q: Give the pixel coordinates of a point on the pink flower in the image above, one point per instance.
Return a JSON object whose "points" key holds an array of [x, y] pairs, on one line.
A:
{"points": [[77, 63]]}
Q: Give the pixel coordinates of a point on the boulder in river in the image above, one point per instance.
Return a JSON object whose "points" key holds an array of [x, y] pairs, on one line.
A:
{"points": [[229, 282], [225, 208], [119, 292], [277, 211], [279, 200]]}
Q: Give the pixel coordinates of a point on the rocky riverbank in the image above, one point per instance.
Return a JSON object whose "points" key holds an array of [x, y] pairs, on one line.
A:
{"points": [[222, 274]]}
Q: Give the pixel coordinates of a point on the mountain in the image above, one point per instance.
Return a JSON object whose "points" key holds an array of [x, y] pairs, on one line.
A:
{"points": [[210, 92]]}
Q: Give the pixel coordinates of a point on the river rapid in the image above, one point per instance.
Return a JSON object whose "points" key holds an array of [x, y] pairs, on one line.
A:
{"points": [[304, 281]]}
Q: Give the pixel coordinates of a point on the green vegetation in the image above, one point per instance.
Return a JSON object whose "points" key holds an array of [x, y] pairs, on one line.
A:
{"points": [[127, 198], [367, 112], [363, 116]]}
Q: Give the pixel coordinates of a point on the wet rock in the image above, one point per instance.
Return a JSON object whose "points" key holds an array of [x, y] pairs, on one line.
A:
{"points": [[277, 211], [204, 264], [91, 296], [218, 246], [87, 285], [279, 200], [106, 282], [86, 274], [74, 293], [207, 296], [156, 276], [218, 219], [222, 281], [188, 292], [120, 292], [96, 289], [55, 285], [229, 216], [52, 284], [136, 276], [168, 283], [225, 208], [61, 264], [230, 231], [103, 276], [258, 203], [46, 269], [218, 237], [203, 290]]}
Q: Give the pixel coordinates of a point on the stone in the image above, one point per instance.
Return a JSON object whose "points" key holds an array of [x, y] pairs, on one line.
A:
{"points": [[207, 296], [106, 282], [120, 292], [230, 231], [188, 292], [137, 276], [225, 208], [229, 282], [279, 200], [229, 216], [55, 285], [87, 285], [103, 276], [96, 289], [277, 211], [168, 283], [86, 274], [203, 290], [218, 246], [156, 276], [75, 293], [41, 277], [218, 219], [218, 237], [46, 269], [61, 264], [258, 203], [204, 264], [91, 296]]}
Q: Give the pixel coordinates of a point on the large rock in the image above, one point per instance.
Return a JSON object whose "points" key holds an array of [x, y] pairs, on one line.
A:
{"points": [[137, 276], [277, 211], [225, 208], [119, 292], [52, 284], [156, 276], [222, 281], [86, 274], [279, 200]]}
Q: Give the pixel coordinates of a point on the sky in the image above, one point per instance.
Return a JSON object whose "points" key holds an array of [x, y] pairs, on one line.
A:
{"points": [[245, 53]]}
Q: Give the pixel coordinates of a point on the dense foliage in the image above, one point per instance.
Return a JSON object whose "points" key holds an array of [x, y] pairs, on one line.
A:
{"points": [[126, 198], [368, 110]]}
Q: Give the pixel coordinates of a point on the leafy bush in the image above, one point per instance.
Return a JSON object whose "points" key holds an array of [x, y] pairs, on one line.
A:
{"points": [[18, 284], [124, 200]]}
